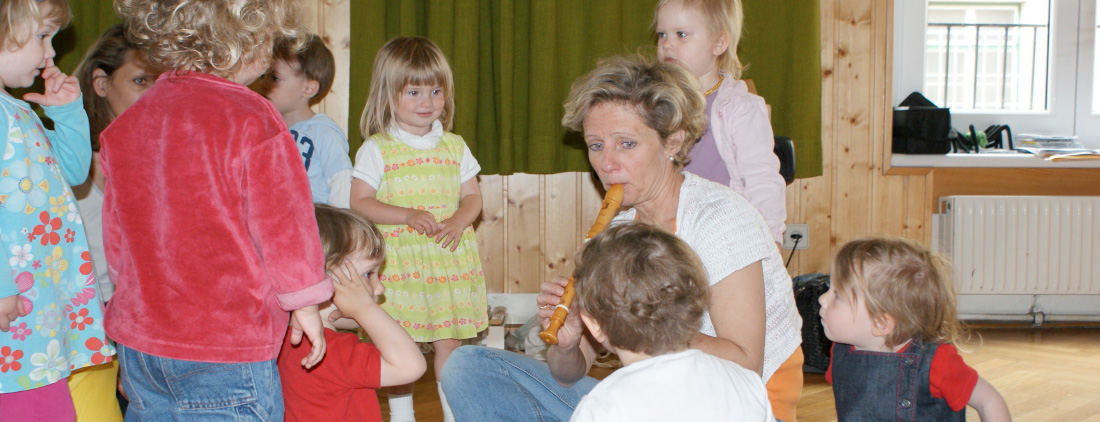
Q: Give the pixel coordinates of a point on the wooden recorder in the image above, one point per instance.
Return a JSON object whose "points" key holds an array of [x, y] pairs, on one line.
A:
{"points": [[611, 202]]}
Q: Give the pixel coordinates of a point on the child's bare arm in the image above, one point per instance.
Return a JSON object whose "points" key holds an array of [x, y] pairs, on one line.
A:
{"points": [[363, 200], [988, 402], [402, 362], [307, 321], [469, 207]]}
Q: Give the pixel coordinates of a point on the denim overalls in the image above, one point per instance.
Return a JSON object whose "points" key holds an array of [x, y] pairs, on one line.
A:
{"points": [[879, 386]]}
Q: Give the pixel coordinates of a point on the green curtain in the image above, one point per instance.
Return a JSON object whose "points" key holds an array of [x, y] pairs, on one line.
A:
{"points": [[514, 61], [782, 46]]}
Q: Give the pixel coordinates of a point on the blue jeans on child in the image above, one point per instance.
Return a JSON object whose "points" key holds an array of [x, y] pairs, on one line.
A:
{"points": [[484, 384], [172, 389]]}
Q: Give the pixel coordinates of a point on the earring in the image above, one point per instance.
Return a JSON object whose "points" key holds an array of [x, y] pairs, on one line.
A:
{"points": [[671, 158]]}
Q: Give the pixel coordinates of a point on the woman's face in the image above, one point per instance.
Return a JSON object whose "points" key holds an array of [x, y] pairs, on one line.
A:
{"points": [[123, 87], [624, 150]]}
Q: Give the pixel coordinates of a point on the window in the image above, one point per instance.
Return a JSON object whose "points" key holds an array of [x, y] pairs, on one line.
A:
{"points": [[1024, 63]]}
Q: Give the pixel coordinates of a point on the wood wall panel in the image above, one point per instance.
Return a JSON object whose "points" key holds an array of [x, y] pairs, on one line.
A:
{"points": [[330, 19]]}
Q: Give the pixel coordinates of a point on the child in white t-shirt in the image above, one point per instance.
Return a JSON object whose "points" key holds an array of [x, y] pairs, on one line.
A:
{"points": [[641, 291]]}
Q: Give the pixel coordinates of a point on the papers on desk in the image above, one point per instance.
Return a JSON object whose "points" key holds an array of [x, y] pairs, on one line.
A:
{"points": [[1063, 154]]}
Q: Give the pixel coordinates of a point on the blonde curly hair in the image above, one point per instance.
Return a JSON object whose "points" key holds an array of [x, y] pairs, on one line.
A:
{"points": [[210, 36], [16, 17]]}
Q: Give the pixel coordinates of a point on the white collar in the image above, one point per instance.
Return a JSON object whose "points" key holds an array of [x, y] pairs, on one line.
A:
{"points": [[432, 136]]}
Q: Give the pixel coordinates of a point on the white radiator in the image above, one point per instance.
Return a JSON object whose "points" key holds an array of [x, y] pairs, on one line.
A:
{"points": [[1022, 254]]}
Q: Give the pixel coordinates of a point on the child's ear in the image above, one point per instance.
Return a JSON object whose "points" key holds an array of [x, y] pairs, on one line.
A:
{"points": [[720, 45], [594, 328], [883, 326], [311, 89], [99, 82]]}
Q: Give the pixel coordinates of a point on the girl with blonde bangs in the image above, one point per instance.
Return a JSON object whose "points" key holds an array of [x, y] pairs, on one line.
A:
{"points": [[211, 36], [418, 182], [890, 312], [407, 61], [228, 260]]}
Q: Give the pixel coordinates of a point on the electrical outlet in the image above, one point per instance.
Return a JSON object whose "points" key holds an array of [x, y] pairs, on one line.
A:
{"points": [[802, 230]]}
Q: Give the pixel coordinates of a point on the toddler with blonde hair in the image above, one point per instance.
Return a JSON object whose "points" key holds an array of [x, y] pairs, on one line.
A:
{"points": [[890, 312]]}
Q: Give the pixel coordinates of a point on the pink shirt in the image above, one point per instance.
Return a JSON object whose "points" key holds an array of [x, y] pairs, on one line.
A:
{"points": [[743, 134], [208, 225]]}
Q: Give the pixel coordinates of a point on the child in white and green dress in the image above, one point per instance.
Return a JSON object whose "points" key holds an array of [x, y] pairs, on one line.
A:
{"points": [[418, 183]]}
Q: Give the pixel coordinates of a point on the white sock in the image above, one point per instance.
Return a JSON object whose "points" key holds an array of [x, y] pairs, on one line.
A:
{"points": [[447, 415], [401, 408]]}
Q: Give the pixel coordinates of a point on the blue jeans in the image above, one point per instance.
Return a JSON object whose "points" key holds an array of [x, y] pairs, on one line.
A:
{"points": [[172, 389], [484, 384]]}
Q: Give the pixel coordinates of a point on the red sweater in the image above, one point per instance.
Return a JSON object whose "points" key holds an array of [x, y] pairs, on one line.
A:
{"points": [[340, 388], [208, 223]]}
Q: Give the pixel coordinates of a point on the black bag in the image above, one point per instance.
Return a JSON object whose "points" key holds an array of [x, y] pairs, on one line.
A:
{"points": [[816, 347], [921, 127]]}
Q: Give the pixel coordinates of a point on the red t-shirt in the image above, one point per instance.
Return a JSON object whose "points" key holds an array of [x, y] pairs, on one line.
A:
{"points": [[340, 388], [949, 378]]}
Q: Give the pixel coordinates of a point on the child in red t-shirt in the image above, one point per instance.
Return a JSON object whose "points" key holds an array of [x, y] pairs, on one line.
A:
{"points": [[342, 386], [891, 313]]}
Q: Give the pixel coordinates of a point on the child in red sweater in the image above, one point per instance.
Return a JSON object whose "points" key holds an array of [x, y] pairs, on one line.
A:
{"points": [[342, 387], [207, 217]]}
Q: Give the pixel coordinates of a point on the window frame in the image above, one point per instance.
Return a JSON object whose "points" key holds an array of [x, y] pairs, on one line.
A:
{"points": [[1071, 60]]}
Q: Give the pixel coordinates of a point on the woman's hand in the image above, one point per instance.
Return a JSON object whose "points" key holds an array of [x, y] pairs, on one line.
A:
{"points": [[572, 330], [422, 221], [60, 89]]}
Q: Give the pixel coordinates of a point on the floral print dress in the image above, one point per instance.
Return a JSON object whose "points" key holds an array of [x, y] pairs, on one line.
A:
{"points": [[432, 292], [48, 263]]}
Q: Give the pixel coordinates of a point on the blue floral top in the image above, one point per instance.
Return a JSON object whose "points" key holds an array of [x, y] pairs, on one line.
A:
{"points": [[48, 264]]}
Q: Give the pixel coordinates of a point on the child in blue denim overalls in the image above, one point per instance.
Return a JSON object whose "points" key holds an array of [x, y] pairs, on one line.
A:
{"points": [[891, 312]]}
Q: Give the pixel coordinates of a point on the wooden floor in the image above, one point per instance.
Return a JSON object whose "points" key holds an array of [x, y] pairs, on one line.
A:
{"points": [[1046, 374]]}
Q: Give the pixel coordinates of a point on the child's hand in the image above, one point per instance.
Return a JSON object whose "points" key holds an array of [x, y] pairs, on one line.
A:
{"points": [[450, 232], [60, 89], [353, 294], [307, 321], [11, 308], [422, 221]]}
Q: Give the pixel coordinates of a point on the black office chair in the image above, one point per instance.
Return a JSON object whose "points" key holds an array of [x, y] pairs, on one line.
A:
{"points": [[784, 149]]}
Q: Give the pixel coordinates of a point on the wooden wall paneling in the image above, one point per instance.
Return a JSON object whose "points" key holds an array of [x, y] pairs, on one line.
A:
{"points": [[523, 242], [563, 211], [853, 209], [330, 19], [336, 32], [491, 231], [1032, 181], [888, 207], [794, 215]]}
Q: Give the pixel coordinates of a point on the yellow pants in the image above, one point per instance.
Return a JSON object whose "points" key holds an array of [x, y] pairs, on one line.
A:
{"points": [[784, 387], [93, 391]]}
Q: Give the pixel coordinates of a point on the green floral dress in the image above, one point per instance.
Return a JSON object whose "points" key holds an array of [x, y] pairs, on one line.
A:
{"points": [[432, 292]]}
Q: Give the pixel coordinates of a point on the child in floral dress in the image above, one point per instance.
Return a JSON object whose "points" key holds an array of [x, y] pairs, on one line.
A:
{"points": [[49, 299], [418, 182]]}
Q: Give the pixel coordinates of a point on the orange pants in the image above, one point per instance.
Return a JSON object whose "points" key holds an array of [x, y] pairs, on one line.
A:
{"points": [[785, 387]]}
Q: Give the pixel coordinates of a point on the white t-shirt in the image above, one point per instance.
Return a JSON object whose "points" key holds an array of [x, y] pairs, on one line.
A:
{"points": [[369, 166], [728, 234], [683, 386], [90, 202]]}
